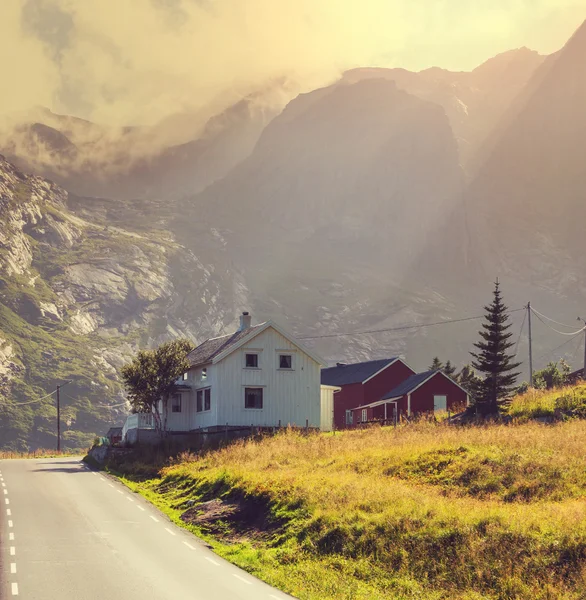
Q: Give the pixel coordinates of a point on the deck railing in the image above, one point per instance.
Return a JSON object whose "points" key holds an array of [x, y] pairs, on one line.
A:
{"points": [[138, 421]]}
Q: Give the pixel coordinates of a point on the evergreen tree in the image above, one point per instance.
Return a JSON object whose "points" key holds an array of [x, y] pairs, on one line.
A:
{"points": [[492, 360], [436, 365], [468, 379], [449, 369]]}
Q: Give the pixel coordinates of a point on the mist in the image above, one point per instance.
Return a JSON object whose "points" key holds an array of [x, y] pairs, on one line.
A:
{"points": [[139, 61]]}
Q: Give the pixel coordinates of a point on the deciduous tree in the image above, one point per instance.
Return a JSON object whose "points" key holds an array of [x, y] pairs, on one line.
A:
{"points": [[150, 379]]}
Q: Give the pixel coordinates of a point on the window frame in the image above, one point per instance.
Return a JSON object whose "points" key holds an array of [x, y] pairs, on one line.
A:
{"points": [[349, 417], [254, 387], [364, 415], [174, 397], [204, 374], [282, 355], [254, 353], [203, 398]]}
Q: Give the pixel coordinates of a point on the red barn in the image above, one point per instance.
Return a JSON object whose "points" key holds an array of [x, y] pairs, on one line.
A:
{"points": [[363, 383], [432, 391]]}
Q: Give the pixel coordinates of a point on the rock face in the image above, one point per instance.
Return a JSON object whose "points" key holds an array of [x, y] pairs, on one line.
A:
{"points": [[78, 297], [474, 101], [329, 214], [526, 204]]}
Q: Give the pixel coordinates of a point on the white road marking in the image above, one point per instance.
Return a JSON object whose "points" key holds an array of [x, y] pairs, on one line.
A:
{"points": [[139, 507], [6, 501], [13, 568], [169, 531], [120, 491], [94, 473], [11, 537], [15, 589], [3, 484], [242, 579], [5, 492], [10, 524], [212, 561], [8, 512], [189, 545], [110, 485], [12, 551], [275, 597], [129, 499], [154, 519], [103, 478]]}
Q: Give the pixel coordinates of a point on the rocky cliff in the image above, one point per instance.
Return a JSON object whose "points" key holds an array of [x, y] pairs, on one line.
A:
{"points": [[78, 295]]}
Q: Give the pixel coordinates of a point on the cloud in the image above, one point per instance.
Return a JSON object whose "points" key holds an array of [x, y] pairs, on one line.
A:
{"points": [[139, 61]]}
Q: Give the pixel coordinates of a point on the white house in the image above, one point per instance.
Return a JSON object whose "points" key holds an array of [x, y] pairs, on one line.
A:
{"points": [[257, 376]]}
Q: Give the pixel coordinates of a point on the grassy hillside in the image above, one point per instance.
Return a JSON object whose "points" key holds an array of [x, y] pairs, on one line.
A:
{"points": [[428, 511]]}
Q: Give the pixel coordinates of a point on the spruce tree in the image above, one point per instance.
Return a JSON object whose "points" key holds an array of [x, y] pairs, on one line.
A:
{"points": [[436, 365], [449, 369], [496, 365]]}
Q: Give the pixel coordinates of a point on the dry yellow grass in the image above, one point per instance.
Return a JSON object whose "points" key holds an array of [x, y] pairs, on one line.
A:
{"points": [[425, 511]]}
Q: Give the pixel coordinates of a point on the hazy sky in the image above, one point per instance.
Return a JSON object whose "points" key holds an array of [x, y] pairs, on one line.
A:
{"points": [[137, 61]]}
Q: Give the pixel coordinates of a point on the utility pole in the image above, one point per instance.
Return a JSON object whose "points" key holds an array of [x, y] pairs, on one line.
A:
{"points": [[530, 346], [58, 420], [584, 371], [59, 414]]}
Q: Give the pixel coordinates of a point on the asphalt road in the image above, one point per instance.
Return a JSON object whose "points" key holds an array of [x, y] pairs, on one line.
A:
{"points": [[69, 533]]}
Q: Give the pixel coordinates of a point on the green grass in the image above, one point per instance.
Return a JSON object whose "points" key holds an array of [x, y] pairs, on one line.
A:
{"points": [[550, 404], [425, 511]]}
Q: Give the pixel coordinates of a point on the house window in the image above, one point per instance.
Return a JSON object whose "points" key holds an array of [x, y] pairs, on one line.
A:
{"points": [[285, 361], [253, 397], [251, 360], [364, 415], [185, 376], [176, 403], [349, 417], [203, 400], [204, 374]]}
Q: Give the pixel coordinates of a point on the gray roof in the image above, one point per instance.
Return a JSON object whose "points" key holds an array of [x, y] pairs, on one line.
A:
{"points": [[409, 385], [206, 351], [354, 373]]}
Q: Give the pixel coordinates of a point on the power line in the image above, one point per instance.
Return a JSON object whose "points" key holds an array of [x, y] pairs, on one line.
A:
{"points": [[556, 330], [34, 401], [400, 328], [552, 320], [550, 352]]}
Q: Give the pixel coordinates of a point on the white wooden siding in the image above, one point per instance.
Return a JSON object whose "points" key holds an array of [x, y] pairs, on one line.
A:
{"points": [[289, 396], [327, 407]]}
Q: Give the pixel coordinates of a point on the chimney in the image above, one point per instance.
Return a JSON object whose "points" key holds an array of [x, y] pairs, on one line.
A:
{"points": [[245, 321]]}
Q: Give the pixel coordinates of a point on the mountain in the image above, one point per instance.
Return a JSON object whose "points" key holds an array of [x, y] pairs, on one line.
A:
{"points": [[327, 216], [474, 101], [526, 204], [83, 284], [143, 162]]}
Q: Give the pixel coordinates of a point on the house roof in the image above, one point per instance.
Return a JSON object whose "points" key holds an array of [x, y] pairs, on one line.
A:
{"points": [[216, 349], [409, 384], [209, 349], [354, 373]]}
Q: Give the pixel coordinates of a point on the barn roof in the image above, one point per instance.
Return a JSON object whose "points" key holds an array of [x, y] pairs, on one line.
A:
{"points": [[354, 373], [206, 351], [410, 384]]}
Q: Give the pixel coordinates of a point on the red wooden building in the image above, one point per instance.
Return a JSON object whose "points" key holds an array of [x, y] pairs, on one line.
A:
{"points": [[429, 392], [362, 384]]}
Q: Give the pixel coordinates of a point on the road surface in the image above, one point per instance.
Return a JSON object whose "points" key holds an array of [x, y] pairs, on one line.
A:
{"points": [[69, 533]]}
